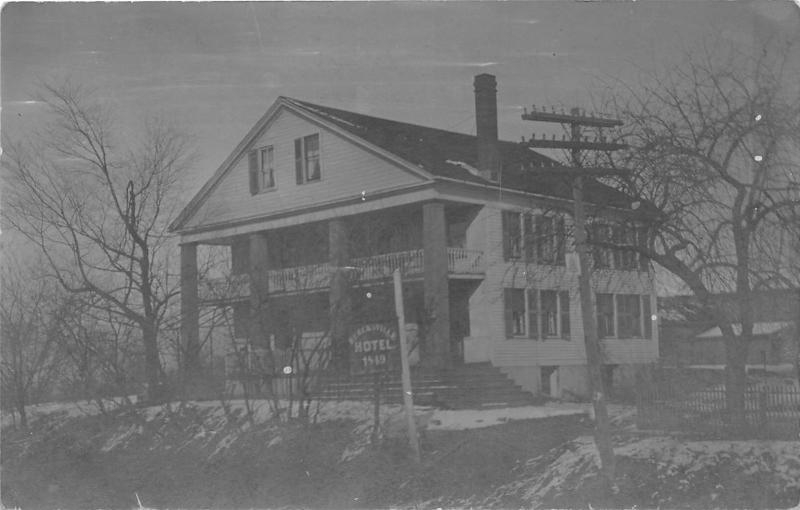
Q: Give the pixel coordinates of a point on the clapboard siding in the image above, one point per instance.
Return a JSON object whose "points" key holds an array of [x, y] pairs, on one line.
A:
{"points": [[487, 306], [347, 170]]}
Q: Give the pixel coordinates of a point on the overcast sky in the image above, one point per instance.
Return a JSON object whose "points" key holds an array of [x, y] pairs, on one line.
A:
{"points": [[214, 68]]}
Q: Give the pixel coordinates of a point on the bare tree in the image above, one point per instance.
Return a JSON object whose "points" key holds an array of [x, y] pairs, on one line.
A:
{"points": [[31, 312], [714, 145], [97, 204], [104, 351]]}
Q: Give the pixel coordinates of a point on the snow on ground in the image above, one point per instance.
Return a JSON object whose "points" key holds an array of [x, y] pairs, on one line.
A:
{"points": [[66, 409], [477, 418], [676, 460]]}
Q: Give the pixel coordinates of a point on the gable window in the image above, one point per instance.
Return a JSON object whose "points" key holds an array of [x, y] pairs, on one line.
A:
{"points": [[624, 316], [547, 313], [541, 239], [261, 163], [306, 159]]}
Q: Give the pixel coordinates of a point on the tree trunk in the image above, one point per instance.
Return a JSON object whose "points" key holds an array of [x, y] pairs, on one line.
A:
{"points": [[736, 380], [23, 416], [155, 387]]}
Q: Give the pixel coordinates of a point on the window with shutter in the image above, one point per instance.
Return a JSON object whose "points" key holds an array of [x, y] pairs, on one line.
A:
{"points": [[549, 299], [252, 158], [307, 166], [298, 160], [261, 163]]}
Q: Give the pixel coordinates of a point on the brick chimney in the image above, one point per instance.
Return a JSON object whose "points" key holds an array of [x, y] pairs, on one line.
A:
{"points": [[486, 126]]}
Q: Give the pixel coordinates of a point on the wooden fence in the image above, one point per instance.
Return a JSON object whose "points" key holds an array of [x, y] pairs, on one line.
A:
{"points": [[771, 411]]}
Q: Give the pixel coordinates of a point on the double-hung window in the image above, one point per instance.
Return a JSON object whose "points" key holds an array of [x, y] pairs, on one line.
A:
{"points": [[619, 252], [539, 239], [261, 163], [535, 313], [512, 239], [307, 159], [624, 316]]}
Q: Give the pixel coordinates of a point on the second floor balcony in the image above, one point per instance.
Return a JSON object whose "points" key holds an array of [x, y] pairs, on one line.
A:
{"points": [[461, 263]]}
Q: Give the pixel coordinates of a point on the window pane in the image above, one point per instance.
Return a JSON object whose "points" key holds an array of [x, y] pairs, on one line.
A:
{"points": [[605, 315], [312, 157], [563, 298], [298, 160], [629, 316], [602, 256], [515, 312], [549, 313], [266, 179], [646, 317], [533, 313], [528, 238], [512, 246]]}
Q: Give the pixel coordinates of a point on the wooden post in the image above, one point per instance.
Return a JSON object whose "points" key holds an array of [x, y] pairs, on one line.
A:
{"points": [[408, 401], [190, 314], [602, 429]]}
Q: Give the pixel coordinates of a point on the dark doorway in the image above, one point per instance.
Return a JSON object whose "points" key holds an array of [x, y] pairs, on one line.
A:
{"points": [[460, 292]]}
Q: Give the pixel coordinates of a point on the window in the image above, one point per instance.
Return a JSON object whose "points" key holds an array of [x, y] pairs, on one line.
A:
{"points": [[629, 316], [550, 240], [542, 239], [605, 315], [515, 313], [306, 159], [262, 169], [563, 304], [647, 319], [624, 316], [547, 313], [601, 255], [550, 316], [533, 314], [512, 241], [619, 256]]}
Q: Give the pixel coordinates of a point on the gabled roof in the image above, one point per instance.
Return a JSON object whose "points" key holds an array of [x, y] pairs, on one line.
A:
{"points": [[440, 152], [435, 153]]}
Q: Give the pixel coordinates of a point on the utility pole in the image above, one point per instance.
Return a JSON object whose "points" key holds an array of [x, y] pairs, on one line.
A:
{"points": [[576, 172]]}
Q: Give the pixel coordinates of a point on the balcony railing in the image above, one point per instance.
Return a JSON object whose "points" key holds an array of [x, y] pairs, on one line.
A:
{"points": [[229, 288], [297, 279], [382, 266], [460, 261]]}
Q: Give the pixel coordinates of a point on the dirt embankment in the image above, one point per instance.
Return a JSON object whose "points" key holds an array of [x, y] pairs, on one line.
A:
{"points": [[197, 457]]}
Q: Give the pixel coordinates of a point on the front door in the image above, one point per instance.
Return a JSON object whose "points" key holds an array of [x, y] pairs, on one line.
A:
{"points": [[459, 318]]}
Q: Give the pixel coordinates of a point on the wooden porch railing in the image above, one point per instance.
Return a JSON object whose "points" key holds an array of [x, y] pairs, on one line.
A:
{"points": [[303, 278]]}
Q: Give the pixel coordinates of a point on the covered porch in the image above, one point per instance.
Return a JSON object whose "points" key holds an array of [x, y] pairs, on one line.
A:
{"points": [[431, 243]]}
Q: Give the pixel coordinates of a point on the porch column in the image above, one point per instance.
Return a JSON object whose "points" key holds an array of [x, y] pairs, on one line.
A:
{"points": [[258, 265], [436, 291], [190, 314], [339, 294]]}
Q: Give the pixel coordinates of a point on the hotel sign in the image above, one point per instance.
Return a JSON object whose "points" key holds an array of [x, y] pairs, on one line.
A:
{"points": [[374, 348]]}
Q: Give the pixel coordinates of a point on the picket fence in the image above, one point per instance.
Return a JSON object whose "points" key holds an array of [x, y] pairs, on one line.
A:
{"points": [[771, 411]]}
